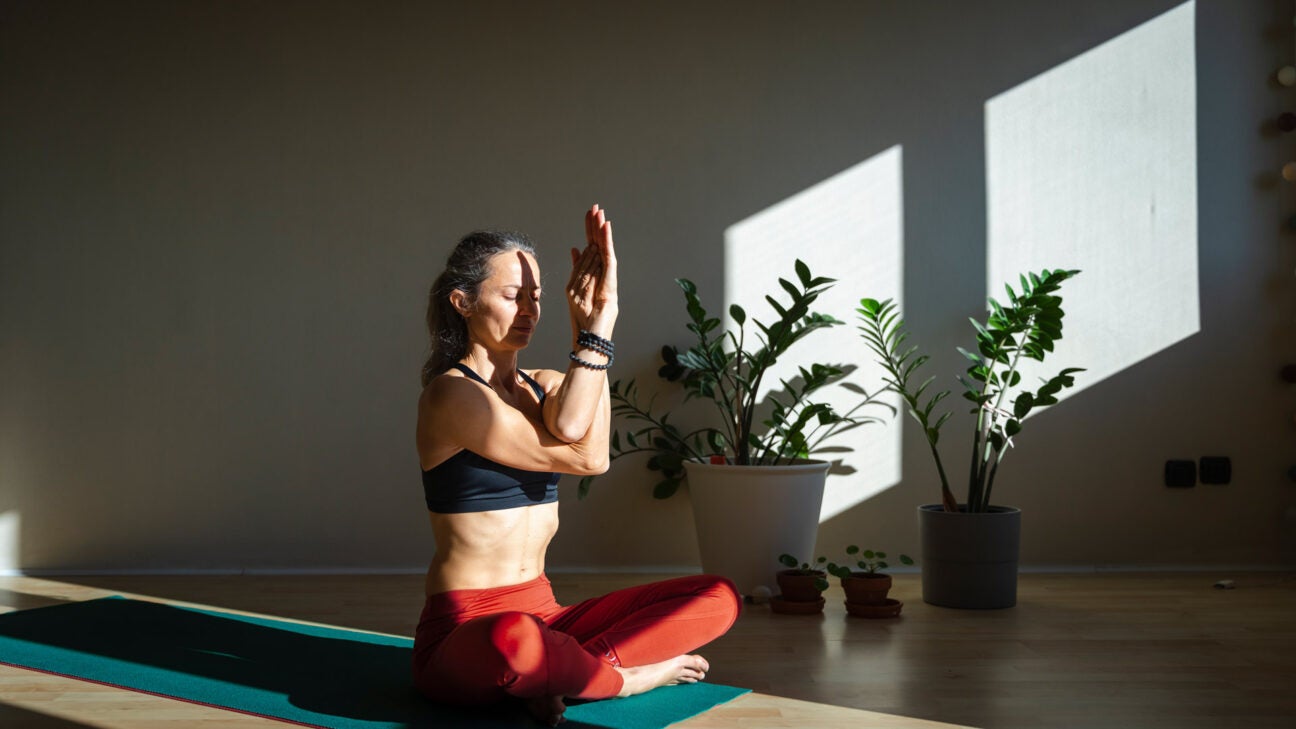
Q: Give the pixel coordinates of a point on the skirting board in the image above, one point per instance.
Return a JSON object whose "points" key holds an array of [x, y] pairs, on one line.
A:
{"points": [[610, 569]]}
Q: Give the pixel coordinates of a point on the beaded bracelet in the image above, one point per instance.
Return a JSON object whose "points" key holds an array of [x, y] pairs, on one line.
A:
{"points": [[590, 365], [593, 341]]}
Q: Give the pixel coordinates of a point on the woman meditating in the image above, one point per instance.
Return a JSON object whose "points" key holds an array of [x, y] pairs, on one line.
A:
{"points": [[493, 440]]}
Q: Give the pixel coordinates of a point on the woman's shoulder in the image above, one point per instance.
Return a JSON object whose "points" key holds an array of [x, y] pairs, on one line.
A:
{"points": [[449, 389], [548, 379]]}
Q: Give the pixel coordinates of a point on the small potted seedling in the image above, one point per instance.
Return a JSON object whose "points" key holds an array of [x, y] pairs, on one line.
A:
{"points": [[865, 584], [801, 586]]}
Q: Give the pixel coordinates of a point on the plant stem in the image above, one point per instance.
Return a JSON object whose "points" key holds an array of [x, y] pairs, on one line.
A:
{"points": [[973, 481], [739, 353], [1003, 393], [744, 444]]}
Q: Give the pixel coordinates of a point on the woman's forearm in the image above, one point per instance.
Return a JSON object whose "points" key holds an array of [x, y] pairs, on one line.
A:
{"points": [[580, 409]]}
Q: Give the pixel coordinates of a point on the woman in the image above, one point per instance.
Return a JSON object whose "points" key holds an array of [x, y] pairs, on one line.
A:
{"points": [[493, 440]]}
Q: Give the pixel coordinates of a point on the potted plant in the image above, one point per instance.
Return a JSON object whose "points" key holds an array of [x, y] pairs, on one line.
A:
{"points": [[970, 549], [865, 584], [755, 492], [801, 586]]}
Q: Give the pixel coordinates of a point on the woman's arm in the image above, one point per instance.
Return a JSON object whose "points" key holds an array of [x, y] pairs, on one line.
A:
{"points": [[578, 409], [455, 413]]}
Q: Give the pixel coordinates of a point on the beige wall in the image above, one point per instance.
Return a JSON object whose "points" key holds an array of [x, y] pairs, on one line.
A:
{"points": [[218, 222]]}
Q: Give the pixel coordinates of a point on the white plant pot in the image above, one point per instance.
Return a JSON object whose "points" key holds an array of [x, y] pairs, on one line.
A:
{"points": [[746, 516]]}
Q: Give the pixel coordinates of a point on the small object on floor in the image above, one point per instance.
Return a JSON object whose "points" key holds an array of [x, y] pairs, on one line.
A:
{"points": [[1224, 585], [760, 595]]}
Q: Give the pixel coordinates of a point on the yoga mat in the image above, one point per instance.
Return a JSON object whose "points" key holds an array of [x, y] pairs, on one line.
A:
{"points": [[318, 676]]}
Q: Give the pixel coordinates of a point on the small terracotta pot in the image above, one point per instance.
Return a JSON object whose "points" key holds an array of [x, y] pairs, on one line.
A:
{"points": [[889, 608], [798, 586], [865, 588]]}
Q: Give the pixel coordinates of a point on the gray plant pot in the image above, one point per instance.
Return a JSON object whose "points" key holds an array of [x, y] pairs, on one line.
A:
{"points": [[970, 560]]}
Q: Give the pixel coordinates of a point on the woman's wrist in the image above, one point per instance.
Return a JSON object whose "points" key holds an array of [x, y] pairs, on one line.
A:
{"points": [[592, 351], [601, 323]]}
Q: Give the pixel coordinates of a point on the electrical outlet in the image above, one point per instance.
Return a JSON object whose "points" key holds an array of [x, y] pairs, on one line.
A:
{"points": [[1181, 474], [1216, 470]]}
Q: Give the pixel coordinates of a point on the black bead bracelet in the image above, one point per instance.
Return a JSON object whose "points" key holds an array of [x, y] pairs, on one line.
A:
{"points": [[590, 365], [590, 340]]}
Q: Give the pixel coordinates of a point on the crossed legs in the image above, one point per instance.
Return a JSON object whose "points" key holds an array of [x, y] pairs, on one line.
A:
{"points": [[623, 643]]}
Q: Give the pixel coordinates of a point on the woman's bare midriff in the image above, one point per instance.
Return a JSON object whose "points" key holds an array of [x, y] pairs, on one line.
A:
{"points": [[489, 549]]}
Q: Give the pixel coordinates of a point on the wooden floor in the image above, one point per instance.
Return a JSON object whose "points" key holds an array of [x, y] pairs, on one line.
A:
{"points": [[1105, 650]]}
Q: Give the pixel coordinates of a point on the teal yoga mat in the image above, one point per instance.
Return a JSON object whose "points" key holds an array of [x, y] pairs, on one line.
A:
{"points": [[318, 676]]}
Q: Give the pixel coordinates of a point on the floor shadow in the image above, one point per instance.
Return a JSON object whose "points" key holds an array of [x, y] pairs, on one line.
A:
{"points": [[25, 601], [13, 717], [213, 658]]}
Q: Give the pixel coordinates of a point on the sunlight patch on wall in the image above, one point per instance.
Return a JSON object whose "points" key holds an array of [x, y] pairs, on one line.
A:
{"points": [[1092, 165], [9, 528], [848, 227]]}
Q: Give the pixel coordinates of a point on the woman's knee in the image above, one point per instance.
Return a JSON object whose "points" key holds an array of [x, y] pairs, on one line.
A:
{"points": [[485, 659], [726, 593], [517, 642], [720, 593]]}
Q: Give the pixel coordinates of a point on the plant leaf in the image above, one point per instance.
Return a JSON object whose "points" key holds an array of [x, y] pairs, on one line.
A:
{"points": [[803, 273], [666, 489]]}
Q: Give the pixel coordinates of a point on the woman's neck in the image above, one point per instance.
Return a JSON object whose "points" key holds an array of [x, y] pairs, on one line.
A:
{"points": [[497, 368]]}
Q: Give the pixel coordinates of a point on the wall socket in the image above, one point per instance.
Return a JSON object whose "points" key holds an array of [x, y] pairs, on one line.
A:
{"points": [[1215, 469], [1181, 474]]}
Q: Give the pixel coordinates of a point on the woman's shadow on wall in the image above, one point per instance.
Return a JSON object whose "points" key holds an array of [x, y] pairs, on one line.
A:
{"points": [[244, 664]]}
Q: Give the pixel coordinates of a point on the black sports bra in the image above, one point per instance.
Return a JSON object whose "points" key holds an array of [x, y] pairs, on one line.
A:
{"points": [[467, 482]]}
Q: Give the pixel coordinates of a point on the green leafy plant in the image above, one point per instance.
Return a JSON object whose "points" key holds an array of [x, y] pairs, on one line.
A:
{"points": [[727, 368], [867, 560], [1026, 327], [807, 569]]}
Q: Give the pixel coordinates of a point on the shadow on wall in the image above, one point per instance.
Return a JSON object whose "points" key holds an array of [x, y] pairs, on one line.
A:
{"points": [[1089, 165]]}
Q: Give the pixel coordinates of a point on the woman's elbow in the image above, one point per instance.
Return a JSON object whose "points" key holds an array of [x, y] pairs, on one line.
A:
{"points": [[568, 434], [595, 464], [567, 430]]}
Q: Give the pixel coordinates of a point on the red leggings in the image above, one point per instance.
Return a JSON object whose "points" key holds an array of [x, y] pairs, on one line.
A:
{"points": [[481, 646]]}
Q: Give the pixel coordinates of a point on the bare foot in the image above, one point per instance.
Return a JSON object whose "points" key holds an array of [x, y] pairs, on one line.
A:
{"points": [[547, 710], [681, 669]]}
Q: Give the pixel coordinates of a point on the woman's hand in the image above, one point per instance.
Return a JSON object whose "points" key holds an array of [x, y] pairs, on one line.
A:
{"points": [[578, 410], [592, 288]]}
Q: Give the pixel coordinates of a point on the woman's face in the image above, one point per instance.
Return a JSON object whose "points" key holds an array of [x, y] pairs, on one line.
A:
{"points": [[508, 302]]}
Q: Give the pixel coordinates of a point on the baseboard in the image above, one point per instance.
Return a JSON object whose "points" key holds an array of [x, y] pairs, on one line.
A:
{"points": [[605, 570], [1118, 568]]}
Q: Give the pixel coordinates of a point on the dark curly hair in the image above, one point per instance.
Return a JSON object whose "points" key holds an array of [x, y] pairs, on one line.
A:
{"points": [[466, 268]]}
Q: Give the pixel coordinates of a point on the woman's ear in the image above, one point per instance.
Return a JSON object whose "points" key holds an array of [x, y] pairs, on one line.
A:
{"points": [[459, 300]]}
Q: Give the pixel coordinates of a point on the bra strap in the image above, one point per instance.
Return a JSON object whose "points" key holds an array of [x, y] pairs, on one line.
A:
{"points": [[468, 371], [535, 386]]}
